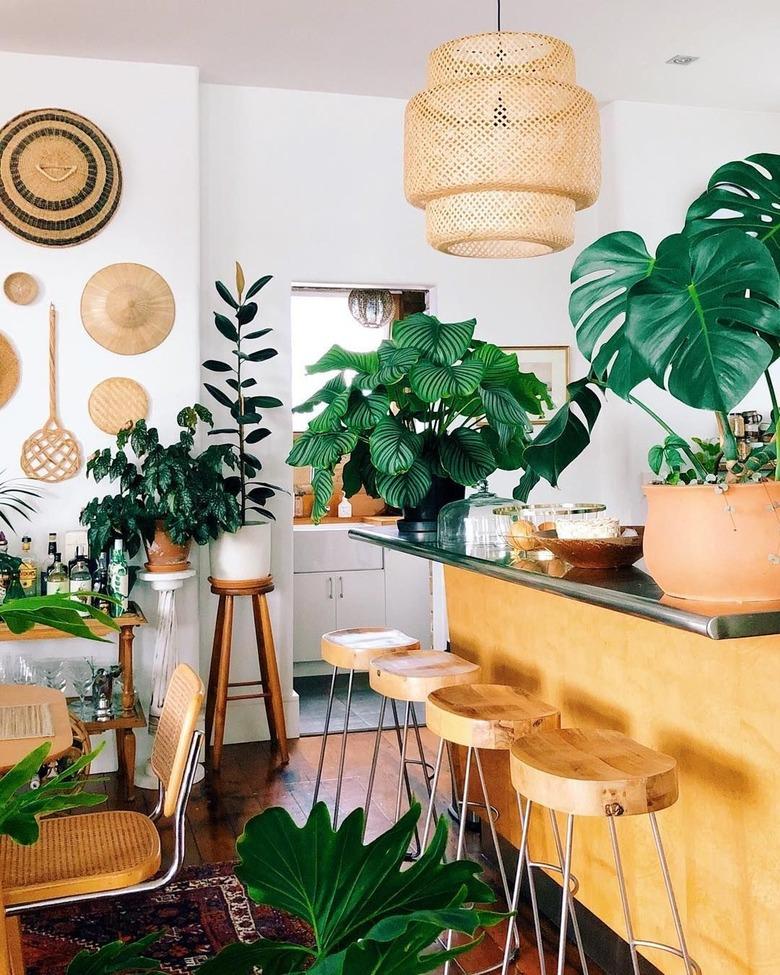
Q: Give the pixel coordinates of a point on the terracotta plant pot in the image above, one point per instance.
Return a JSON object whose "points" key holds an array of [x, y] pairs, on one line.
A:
{"points": [[243, 555], [163, 555], [714, 546]]}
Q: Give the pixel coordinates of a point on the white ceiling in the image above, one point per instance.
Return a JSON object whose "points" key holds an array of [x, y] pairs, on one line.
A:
{"points": [[378, 47]]}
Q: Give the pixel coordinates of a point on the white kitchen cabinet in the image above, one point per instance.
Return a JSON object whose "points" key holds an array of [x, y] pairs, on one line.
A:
{"points": [[360, 598]]}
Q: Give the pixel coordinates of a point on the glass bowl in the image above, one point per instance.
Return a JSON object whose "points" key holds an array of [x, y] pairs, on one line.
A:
{"points": [[522, 521]]}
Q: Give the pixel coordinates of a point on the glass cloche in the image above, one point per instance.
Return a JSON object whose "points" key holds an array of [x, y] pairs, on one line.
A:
{"points": [[476, 525]]}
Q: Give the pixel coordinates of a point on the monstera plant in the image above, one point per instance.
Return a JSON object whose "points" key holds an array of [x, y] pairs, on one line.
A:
{"points": [[700, 318], [432, 407]]}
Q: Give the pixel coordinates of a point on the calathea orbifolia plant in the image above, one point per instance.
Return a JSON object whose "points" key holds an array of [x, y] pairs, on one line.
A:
{"points": [[240, 397], [432, 401], [700, 318]]}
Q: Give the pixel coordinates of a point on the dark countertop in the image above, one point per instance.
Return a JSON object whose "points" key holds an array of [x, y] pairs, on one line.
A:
{"points": [[629, 591]]}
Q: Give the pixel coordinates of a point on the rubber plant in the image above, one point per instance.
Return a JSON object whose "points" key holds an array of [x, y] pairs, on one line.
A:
{"points": [[170, 482], [432, 401], [700, 318], [361, 911], [240, 398]]}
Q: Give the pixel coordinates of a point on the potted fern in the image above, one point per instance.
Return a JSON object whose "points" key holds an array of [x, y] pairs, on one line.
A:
{"points": [[431, 412], [245, 552], [701, 320]]}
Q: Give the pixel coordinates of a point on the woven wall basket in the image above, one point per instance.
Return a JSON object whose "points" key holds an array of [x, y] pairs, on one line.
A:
{"points": [[60, 179], [117, 403], [9, 369], [128, 308], [502, 146]]}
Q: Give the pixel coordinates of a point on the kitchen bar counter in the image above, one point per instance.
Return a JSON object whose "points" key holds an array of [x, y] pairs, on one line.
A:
{"points": [[698, 683], [626, 590]]}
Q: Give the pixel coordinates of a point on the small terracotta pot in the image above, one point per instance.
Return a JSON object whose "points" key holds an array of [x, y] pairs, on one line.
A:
{"points": [[163, 555], [714, 546]]}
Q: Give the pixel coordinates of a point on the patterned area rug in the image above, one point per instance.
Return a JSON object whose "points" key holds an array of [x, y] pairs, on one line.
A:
{"points": [[205, 909]]}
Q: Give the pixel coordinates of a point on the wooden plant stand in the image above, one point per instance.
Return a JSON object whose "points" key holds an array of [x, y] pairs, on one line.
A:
{"points": [[219, 673]]}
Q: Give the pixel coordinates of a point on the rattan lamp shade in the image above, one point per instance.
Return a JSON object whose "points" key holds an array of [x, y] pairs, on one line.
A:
{"points": [[502, 147]]}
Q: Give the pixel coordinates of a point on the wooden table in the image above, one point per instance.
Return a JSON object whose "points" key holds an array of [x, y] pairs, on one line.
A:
{"points": [[132, 715], [15, 749]]}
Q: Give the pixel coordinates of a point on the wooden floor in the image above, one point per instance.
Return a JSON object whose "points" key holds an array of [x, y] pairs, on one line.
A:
{"points": [[250, 781]]}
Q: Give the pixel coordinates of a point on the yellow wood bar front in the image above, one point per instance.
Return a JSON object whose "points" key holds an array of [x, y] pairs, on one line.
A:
{"points": [[713, 704]]}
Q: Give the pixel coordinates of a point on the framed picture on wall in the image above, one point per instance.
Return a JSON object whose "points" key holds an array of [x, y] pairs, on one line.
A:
{"points": [[551, 364]]}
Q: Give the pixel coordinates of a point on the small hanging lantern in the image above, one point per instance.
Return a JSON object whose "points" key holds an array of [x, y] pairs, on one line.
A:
{"points": [[502, 147], [371, 307]]}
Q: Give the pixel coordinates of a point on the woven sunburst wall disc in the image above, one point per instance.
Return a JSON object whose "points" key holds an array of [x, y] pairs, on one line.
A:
{"points": [[9, 370], [60, 178], [117, 403], [20, 287], [128, 308]]}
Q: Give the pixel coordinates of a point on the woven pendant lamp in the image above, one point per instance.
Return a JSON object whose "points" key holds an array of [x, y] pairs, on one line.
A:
{"points": [[502, 147]]}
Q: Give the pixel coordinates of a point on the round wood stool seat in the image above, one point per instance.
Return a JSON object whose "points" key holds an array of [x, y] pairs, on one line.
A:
{"points": [[593, 773], [355, 649], [487, 715], [413, 675]]}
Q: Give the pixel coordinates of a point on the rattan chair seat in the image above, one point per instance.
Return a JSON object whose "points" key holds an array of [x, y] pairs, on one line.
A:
{"points": [[80, 854]]}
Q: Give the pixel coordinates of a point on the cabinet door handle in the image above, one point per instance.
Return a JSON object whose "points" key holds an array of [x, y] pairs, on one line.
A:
{"points": [[330, 587], [341, 587]]}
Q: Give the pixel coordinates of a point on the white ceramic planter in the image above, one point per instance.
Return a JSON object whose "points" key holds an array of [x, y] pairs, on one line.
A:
{"points": [[246, 554]]}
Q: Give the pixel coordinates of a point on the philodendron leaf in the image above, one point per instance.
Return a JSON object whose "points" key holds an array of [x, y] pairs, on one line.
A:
{"points": [[407, 488], [117, 958], [441, 342], [269, 957], [339, 358], [692, 325], [744, 194], [321, 449], [466, 457], [394, 447], [602, 276], [564, 437], [432, 382]]}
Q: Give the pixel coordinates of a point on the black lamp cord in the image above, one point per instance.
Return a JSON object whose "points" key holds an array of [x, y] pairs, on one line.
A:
{"points": [[498, 14]]}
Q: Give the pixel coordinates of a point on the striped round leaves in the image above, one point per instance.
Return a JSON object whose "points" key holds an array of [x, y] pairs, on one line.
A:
{"points": [[432, 382], [466, 456], [394, 447], [313, 449], [441, 342], [322, 485], [407, 488]]}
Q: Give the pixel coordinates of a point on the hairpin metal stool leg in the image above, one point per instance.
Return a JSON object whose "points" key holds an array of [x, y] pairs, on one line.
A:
{"points": [[326, 732], [522, 856]]}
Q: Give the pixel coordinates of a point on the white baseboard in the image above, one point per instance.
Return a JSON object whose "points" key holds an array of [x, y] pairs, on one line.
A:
{"points": [[246, 720]]}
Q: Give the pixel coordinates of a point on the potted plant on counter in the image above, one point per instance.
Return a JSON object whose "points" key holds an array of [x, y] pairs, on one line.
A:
{"points": [[168, 496], [432, 411], [701, 320], [244, 552]]}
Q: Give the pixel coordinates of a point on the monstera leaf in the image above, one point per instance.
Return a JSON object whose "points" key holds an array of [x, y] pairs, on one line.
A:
{"points": [[602, 276], [440, 342], [563, 439], [695, 321], [744, 194]]}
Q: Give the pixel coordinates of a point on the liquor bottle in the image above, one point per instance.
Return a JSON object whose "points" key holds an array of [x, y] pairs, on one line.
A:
{"points": [[80, 578], [28, 570], [5, 572], [118, 582], [57, 577], [50, 556], [100, 585], [14, 588]]}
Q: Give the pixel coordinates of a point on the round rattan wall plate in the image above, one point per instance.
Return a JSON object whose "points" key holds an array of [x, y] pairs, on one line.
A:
{"points": [[128, 308], [117, 403], [9, 370], [60, 179], [20, 287]]}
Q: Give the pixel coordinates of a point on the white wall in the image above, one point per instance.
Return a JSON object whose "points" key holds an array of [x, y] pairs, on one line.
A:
{"points": [[150, 113]]}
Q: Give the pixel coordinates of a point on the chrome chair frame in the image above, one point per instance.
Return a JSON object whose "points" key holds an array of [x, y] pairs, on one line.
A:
{"points": [[161, 880]]}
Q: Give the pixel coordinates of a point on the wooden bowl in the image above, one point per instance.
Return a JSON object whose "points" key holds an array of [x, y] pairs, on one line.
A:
{"points": [[596, 553]]}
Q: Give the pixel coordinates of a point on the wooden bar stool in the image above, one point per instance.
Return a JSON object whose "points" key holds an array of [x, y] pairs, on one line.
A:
{"points": [[410, 678], [219, 672], [487, 716], [353, 650], [598, 773]]}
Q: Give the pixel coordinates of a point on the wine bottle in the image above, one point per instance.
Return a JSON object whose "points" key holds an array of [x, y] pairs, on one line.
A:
{"points": [[118, 582]]}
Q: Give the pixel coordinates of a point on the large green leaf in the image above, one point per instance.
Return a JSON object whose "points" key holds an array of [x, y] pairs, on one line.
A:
{"points": [[322, 485], [269, 957], [501, 406], [330, 418], [507, 451], [466, 457], [394, 364], [432, 382], [443, 343], [321, 449], [500, 366], [394, 447], [326, 395], [564, 437], [531, 393], [692, 325], [339, 358], [743, 194], [117, 958], [602, 276], [366, 409], [406, 489], [359, 471]]}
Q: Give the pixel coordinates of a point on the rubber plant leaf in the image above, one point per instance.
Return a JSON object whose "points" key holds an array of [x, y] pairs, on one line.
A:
{"points": [[694, 327], [441, 342], [602, 277], [341, 887], [564, 437], [743, 194]]}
